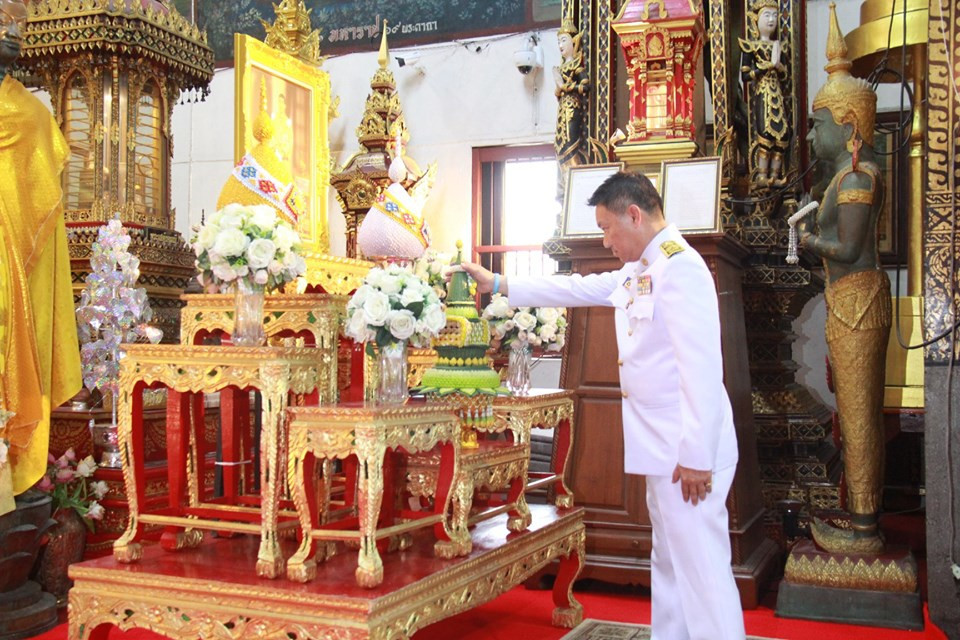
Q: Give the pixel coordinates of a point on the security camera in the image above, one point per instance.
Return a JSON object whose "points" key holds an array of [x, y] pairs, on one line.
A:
{"points": [[525, 61]]}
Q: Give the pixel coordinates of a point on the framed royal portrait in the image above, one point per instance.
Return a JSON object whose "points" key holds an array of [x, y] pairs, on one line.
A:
{"points": [[891, 225], [296, 96], [691, 194], [578, 219]]}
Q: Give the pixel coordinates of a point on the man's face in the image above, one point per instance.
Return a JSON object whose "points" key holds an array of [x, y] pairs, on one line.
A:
{"points": [[828, 138], [620, 233]]}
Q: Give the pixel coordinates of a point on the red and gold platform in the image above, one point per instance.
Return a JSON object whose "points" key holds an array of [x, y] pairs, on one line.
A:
{"points": [[209, 591]]}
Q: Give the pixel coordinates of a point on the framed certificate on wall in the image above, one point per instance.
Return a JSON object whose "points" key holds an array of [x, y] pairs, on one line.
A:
{"points": [[578, 218], [691, 194]]}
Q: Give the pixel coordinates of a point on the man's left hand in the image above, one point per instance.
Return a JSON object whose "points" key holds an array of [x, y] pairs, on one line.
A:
{"points": [[694, 484]]}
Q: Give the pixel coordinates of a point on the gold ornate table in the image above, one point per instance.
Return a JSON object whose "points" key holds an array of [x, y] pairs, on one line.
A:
{"points": [[545, 409], [368, 433], [188, 372]]}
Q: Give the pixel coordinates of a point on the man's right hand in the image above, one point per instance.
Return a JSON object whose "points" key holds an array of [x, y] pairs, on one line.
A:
{"points": [[483, 277]]}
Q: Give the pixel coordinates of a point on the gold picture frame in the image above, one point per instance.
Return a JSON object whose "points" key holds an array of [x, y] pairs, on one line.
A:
{"points": [[693, 210], [298, 98], [577, 217]]}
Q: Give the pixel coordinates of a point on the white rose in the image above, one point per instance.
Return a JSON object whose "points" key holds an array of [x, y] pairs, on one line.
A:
{"points": [[285, 238], [358, 297], [207, 236], [498, 307], [434, 319], [261, 276], [231, 220], [548, 315], [86, 467], [95, 511], [275, 267], [411, 294], [525, 320], [390, 285], [224, 272], [376, 308], [356, 327], [374, 277], [231, 243], [99, 489], [548, 332], [263, 217], [260, 253], [402, 324], [242, 271]]}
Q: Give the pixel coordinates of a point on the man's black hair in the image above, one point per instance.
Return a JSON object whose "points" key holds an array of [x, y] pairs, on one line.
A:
{"points": [[621, 190]]}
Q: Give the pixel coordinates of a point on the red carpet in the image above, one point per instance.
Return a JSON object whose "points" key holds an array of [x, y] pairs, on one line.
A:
{"points": [[525, 614]]}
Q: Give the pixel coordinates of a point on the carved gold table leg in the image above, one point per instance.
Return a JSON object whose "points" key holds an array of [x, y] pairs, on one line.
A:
{"points": [[563, 445], [301, 567], [275, 389], [369, 489], [569, 612], [460, 533], [127, 548], [519, 517]]}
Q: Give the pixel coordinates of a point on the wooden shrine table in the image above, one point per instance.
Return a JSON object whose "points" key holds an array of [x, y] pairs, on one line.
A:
{"points": [[188, 372], [544, 409], [498, 466], [315, 317], [494, 465], [205, 593], [367, 432]]}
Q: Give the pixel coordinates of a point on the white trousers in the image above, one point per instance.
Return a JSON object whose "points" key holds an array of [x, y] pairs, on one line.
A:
{"points": [[693, 593]]}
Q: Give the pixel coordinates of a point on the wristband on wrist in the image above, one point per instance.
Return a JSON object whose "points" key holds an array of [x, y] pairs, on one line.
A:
{"points": [[496, 284]]}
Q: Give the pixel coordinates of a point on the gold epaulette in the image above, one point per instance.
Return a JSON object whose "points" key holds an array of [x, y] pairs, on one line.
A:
{"points": [[670, 248], [855, 196]]}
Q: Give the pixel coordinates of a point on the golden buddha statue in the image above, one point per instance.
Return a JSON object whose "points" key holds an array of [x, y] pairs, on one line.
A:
{"points": [[262, 176], [857, 290], [41, 357], [573, 86], [763, 68]]}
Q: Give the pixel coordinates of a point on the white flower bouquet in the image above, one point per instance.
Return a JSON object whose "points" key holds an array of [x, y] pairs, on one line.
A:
{"points": [[248, 244], [394, 305], [544, 327], [432, 267]]}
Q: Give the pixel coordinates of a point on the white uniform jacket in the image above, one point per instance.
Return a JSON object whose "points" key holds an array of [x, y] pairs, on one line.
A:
{"points": [[675, 407]]}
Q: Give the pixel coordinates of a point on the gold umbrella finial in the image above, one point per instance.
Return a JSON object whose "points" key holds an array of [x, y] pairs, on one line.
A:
{"points": [[837, 61], [384, 57]]}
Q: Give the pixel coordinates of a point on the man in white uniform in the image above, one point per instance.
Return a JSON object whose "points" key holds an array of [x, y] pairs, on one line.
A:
{"points": [[677, 422]]}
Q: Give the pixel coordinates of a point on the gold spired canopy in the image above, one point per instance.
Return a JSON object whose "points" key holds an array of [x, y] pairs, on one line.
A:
{"points": [[366, 174]]}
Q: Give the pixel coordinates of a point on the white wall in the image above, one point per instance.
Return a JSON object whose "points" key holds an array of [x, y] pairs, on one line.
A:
{"points": [[459, 96]]}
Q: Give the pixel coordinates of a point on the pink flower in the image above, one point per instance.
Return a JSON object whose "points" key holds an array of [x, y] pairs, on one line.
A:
{"points": [[51, 459], [70, 455], [62, 462], [64, 476], [45, 484]]}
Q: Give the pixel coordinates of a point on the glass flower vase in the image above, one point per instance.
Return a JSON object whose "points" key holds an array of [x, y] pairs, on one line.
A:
{"points": [[248, 315], [518, 368], [392, 381]]}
